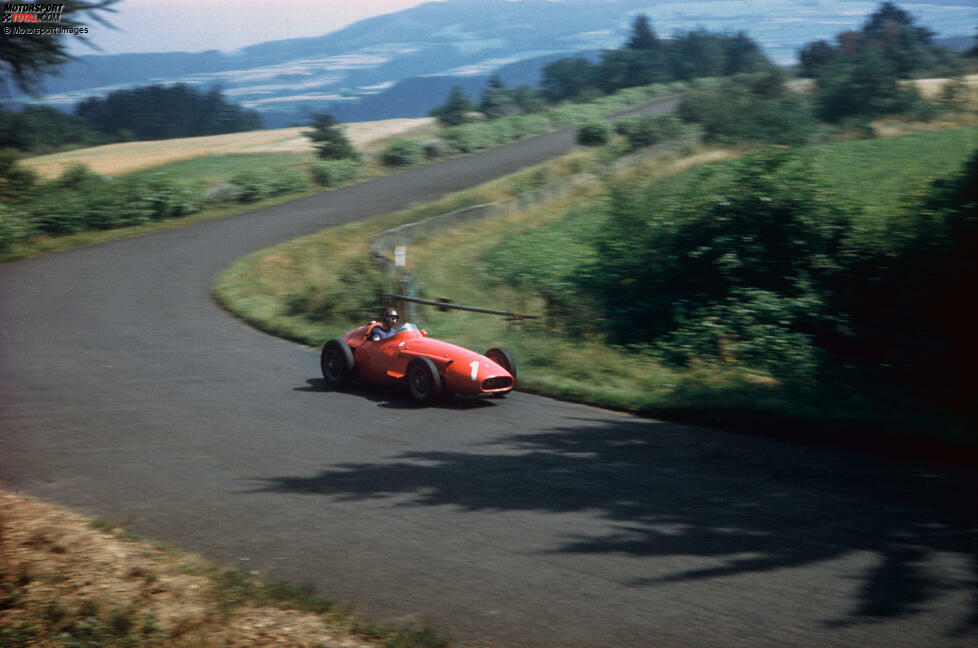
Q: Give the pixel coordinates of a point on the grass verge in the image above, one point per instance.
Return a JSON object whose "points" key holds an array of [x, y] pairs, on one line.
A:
{"points": [[67, 581], [263, 287]]}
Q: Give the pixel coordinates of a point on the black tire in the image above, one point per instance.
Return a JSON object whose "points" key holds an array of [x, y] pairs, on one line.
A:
{"points": [[502, 358], [336, 362], [423, 380]]}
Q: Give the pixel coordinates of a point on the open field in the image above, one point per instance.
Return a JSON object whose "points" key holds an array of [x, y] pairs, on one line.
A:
{"points": [[931, 88], [116, 159]]}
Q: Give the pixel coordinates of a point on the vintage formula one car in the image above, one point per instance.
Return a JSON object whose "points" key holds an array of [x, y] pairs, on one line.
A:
{"points": [[427, 366]]}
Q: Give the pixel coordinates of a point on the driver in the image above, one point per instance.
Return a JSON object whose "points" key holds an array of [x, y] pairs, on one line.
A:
{"points": [[387, 322]]}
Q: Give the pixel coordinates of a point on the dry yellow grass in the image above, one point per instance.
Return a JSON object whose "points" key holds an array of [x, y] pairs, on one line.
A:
{"points": [[931, 88], [115, 159], [57, 568]]}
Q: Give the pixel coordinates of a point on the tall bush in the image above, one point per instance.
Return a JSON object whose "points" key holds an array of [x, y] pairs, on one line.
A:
{"points": [[330, 140], [708, 273], [403, 153], [595, 133], [744, 108]]}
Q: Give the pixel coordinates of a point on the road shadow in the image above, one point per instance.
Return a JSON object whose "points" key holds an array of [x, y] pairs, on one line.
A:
{"points": [[392, 398], [722, 504]]}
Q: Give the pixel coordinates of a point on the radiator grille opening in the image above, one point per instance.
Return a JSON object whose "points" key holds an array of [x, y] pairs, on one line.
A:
{"points": [[500, 382]]}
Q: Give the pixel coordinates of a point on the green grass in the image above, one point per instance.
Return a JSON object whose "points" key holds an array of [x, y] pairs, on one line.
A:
{"points": [[215, 170], [878, 173], [260, 287], [218, 169], [536, 249]]}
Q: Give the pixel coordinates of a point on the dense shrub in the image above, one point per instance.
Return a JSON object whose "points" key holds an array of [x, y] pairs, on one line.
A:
{"points": [[436, 148], [469, 138], [80, 200], [910, 296], [866, 84], [42, 128], [746, 108], [285, 181], [75, 176], [403, 153], [159, 197], [595, 133], [455, 110], [648, 131], [13, 227], [252, 185], [757, 250], [334, 172], [16, 181], [330, 140]]}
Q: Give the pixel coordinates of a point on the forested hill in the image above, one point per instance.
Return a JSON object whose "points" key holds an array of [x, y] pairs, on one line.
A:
{"points": [[346, 71]]}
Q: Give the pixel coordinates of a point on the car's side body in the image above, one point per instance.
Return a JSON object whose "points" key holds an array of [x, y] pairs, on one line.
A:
{"points": [[460, 371]]}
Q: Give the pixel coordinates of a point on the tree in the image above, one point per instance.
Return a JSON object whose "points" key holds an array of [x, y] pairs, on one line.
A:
{"points": [[743, 55], [497, 101], [567, 78], [162, 112], [697, 54], [643, 38], [527, 99], [748, 108], [329, 139], [908, 46], [628, 68], [866, 84], [15, 180], [39, 128], [814, 55], [24, 60], [453, 112]]}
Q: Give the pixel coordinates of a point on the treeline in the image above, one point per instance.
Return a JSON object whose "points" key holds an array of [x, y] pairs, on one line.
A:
{"points": [[148, 113], [644, 60], [737, 94], [861, 74], [160, 112], [865, 76], [40, 129], [647, 59]]}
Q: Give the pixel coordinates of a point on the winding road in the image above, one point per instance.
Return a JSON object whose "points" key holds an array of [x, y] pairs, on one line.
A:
{"points": [[126, 393]]}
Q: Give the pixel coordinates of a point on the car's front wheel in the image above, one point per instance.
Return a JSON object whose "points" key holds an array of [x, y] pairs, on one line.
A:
{"points": [[336, 362], [502, 358], [423, 380]]}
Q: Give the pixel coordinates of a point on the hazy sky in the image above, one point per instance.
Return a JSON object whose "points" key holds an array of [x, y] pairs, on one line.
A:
{"points": [[198, 25]]}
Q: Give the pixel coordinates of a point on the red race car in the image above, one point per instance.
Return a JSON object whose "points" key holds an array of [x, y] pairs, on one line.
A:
{"points": [[428, 366]]}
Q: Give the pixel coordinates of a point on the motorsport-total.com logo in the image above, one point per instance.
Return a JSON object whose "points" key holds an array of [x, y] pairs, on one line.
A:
{"points": [[36, 19]]}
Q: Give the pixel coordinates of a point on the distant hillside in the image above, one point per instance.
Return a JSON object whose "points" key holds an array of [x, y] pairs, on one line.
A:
{"points": [[959, 43], [416, 97], [382, 67]]}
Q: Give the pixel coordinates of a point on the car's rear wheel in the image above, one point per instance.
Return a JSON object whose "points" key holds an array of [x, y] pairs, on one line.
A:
{"points": [[423, 380], [502, 358], [336, 362]]}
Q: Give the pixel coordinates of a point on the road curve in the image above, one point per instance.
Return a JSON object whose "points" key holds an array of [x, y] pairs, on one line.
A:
{"points": [[125, 392]]}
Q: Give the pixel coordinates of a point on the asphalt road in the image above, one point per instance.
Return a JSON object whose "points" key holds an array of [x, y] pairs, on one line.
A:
{"points": [[125, 392]]}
